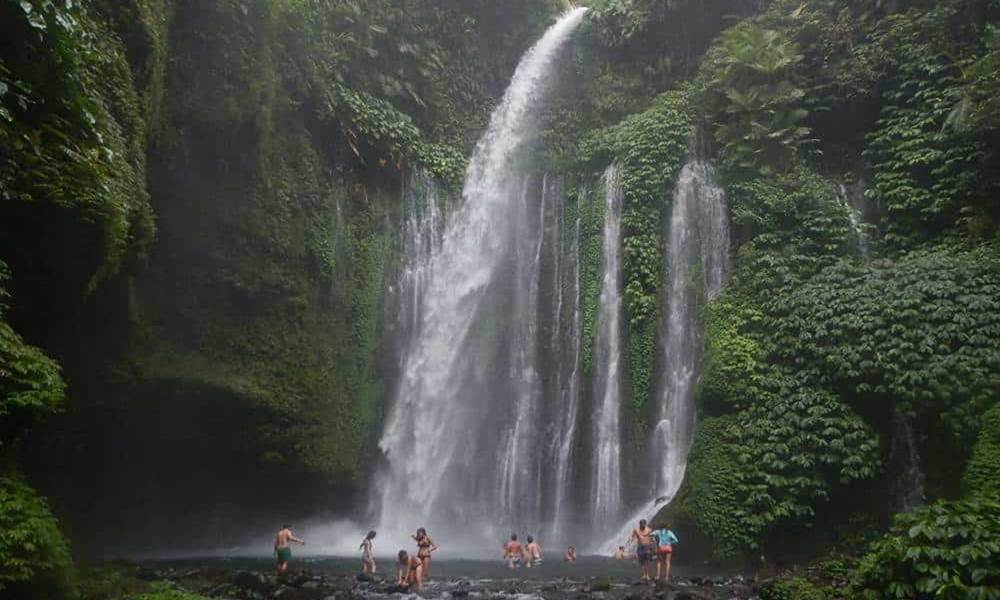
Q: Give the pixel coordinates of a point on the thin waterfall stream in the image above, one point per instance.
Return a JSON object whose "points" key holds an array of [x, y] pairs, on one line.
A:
{"points": [[697, 264], [605, 489]]}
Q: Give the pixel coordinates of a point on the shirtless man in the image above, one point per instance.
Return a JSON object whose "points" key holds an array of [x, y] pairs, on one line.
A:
{"points": [[570, 554], [283, 547], [512, 552], [620, 553], [643, 539], [533, 553]]}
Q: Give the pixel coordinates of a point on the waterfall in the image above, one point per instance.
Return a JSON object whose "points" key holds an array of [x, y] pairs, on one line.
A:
{"points": [[907, 487], [569, 397], [606, 474], [423, 224], [698, 260], [697, 264], [461, 440], [520, 480], [853, 198]]}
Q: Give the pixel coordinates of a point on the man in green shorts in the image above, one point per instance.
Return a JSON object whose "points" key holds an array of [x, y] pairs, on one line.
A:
{"points": [[283, 547]]}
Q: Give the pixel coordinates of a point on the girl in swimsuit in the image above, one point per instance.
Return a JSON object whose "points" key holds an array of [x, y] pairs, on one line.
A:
{"points": [[425, 545], [367, 553], [410, 572]]}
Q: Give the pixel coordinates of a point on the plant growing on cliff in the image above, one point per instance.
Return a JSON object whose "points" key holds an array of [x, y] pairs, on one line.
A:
{"points": [[755, 96], [35, 557], [650, 148], [948, 550]]}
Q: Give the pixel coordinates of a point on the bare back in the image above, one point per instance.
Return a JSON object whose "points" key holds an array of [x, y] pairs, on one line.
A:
{"points": [[283, 538]]}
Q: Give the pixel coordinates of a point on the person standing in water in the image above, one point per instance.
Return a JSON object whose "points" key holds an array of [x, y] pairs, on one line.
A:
{"points": [[643, 539], [665, 540], [368, 553], [533, 553], [283, 547], [620, 553], [410, 572], [425, 545], [512, 552], [570, 554]]}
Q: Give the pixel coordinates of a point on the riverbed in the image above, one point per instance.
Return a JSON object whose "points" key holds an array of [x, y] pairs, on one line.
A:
{"points": [[326, 578]]}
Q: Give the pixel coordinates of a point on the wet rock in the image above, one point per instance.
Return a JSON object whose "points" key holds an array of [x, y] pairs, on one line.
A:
{"points": [[257, 584], [301, 593], [601, 585]]}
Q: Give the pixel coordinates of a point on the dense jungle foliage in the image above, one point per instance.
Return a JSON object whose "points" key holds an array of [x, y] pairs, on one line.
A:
{"points": [[197, 208]]}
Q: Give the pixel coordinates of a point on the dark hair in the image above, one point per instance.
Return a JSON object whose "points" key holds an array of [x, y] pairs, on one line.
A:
{"points": [[642, 522], [530, 539], [371, 535], [621, 547], [403, 556], [286, 526], [513, 537]]}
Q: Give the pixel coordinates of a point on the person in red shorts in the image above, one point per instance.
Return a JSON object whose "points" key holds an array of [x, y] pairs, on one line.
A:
{"points": [[665, 540]]}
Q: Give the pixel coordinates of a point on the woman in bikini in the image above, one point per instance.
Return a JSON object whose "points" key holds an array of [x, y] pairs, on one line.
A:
{"points": [[368, 553], [425, 545], [410, 572]]}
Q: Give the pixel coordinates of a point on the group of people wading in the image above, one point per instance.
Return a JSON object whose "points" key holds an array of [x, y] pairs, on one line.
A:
{"points": [[411, 570]]}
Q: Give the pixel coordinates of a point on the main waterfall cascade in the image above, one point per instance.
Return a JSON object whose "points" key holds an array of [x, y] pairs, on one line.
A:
{"points": [[605, 489], [486, 424], [462, 439], [697, 263]]}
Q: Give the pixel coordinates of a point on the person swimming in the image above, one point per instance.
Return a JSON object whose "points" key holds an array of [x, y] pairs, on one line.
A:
{"points": [[620, 553], [425, 545], [512, 552], [409, 572], [368, 553], [570, 554], [533, 553]]}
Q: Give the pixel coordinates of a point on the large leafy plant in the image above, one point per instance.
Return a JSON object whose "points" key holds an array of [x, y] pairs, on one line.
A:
{"points": [[949, 550], [35, 557], [755, 96]]}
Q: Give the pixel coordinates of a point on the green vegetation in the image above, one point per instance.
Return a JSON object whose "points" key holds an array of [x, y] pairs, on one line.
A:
{"points": [[35, 556], [812, 344], [982, 472], [751, 83], [650, 149], [73, 147], [31, 386], [946, 550], [795, 588]]}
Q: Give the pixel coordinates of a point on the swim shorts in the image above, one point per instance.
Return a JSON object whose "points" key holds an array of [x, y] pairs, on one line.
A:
{"points": [[642, 553], [665, 549], [284, 554]]}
